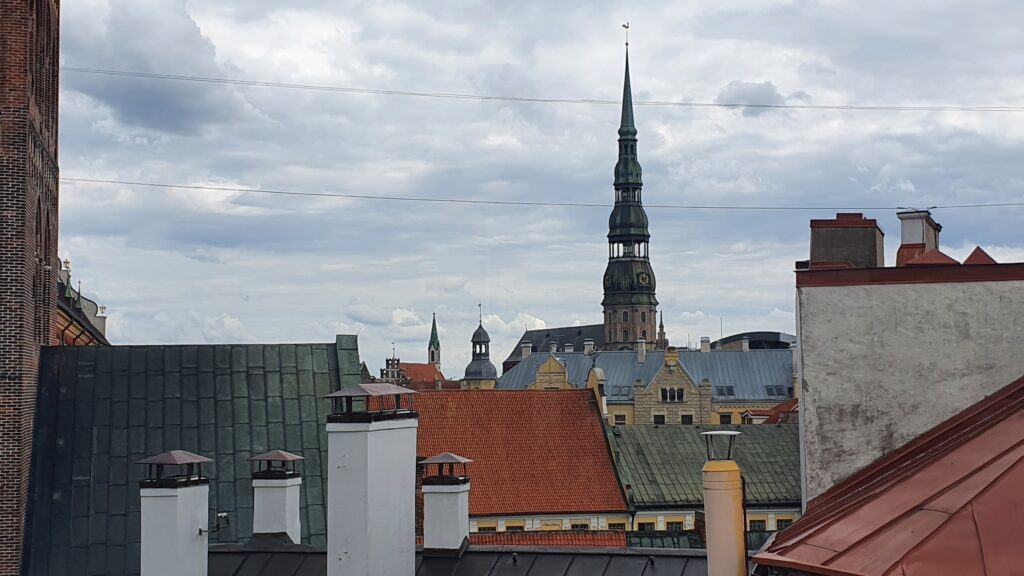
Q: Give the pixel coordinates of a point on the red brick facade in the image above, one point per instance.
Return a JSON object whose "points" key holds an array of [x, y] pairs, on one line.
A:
{"points": [[29, 40]]}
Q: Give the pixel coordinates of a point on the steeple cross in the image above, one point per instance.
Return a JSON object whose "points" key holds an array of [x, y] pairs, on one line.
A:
{"points": [[626, 26]]}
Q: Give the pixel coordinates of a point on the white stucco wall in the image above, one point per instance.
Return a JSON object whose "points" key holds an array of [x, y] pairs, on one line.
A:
{"points": [[445, 516], [883, 363], [276, 507], [175, 530]]}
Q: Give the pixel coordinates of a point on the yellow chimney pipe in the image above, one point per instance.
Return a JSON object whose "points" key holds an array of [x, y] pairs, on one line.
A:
{"points": [[723, 513]]}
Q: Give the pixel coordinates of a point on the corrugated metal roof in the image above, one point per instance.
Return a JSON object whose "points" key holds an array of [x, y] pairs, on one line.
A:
{"points": [[748, 373], [663, 464]]}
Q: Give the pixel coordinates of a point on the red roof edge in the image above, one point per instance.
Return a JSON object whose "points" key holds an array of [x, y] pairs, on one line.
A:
{"points": [[934, 257], [954, 431], [846, 220], [979, 256], [908, 252]]}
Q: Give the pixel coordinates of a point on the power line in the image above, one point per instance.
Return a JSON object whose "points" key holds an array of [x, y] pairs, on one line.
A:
{"points": [[499, 98], [515, 202]]}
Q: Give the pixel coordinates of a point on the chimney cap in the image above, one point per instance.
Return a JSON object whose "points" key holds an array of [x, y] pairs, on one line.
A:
{"points": [[447, 458], [370, 402], [175, 458], [727, 435], [277, 456]]}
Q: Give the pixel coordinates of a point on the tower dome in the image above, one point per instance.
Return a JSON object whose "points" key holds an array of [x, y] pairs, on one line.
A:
{"points": [[481, 368]]}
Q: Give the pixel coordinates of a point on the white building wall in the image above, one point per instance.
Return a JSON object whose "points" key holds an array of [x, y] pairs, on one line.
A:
{"points": [[276, 507], [883, 363], [446, 516], [175, 530]]}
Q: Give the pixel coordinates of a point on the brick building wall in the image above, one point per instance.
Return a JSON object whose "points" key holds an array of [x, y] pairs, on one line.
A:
{"points": [[29, 49]]}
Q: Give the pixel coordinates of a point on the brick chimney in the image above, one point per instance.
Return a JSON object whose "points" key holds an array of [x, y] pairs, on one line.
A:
{"points": [[919, 233], [445, 504], [848, 241], [371, 481], [275, 490], [175, 515], [723, 506]]}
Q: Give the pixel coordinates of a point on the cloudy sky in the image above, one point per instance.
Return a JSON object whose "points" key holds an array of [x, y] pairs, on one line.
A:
{"points": [[177, 266]]}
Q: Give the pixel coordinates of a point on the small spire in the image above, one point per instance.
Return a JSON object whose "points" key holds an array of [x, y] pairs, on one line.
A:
{"points": [[480, 309], [627, 127]]}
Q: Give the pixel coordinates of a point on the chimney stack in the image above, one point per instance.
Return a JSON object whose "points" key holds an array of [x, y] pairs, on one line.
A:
{"points": [[848, 241], [553, 347], [525, 348], [371, 482], [445, 504], [569, 347], [175, 515], [275, 491], [723, 506], [745, 344], [705, 344], [919, 234], [641, 351], [588, 346]]}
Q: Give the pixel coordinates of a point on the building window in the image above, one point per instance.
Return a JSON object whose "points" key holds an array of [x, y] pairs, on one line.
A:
{"points": [[617, 526], [625, 335], [625, 316], [758, 526], [518, 528], [579, 526], [725, 418], [645, 526], [782, 524], [620, 419], [643, 316], [487, 529], [725, 391], [672, 395], [659, 418], [643, 334], [686, 419], [675, 526]]}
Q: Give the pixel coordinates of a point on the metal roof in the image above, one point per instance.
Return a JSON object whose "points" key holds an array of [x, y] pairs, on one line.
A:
{"points": [[175, 457], [370, 389], [542, 338], [277, 456], [748, 373], [446, 458], [663, 464]]}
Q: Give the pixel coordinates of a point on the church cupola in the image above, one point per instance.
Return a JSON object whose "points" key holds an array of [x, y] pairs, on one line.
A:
{"points": [[481, 373], [434, 346], [629, 286]]}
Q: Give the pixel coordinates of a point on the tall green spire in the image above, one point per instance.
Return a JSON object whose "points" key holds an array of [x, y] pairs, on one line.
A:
{"points": [[627, 129], [434, 340]]}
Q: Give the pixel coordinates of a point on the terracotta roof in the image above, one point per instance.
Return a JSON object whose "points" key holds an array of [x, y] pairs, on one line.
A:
{"points": [[582, 538], [533, 451], [421, 372], [933, 257], [423, 386], [948, 502], [979, 256], [784, 413]]}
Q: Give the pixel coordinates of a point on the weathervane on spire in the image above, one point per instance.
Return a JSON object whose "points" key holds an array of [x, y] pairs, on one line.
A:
{"points": [[480, 309], [626, 26]]}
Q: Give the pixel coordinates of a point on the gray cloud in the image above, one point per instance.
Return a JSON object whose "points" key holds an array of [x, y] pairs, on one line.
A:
{"points": [[740, 92]]}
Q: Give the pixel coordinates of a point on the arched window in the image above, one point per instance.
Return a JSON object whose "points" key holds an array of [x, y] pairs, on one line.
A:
{"points": [[625, 316], [643, 334], [643, 316], [625, 335]]}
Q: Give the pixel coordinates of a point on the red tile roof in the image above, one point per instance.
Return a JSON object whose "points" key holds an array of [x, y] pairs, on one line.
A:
{"points": [[949, 502], [785, 413], [933, 257], [979, 256], [533, 451], [421, 386], [421, 372], [560, 538]]}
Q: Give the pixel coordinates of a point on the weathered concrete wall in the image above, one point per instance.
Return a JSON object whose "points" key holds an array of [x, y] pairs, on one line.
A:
{"points": [[884, 363]]}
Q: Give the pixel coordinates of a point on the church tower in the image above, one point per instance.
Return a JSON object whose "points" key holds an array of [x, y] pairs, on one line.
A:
{"points": [[480, 373], [29, 38], [629, 303], [434, 346]]}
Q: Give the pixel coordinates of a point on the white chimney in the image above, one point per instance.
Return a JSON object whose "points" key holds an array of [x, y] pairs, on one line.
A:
{"points": [[525, 348], [553, 347], [275, 492], [569, 347], [175, 515], [445, 504], [745, 344], [371, 481], [705, 344], [641, 351], [723, 507], [588, 346], [919, 233]]}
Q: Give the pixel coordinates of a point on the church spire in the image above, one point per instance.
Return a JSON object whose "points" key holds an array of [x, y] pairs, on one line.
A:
{"points": [[629, 302], [434, 346]]}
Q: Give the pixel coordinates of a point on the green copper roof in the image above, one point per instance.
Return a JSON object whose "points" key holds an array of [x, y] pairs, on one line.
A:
{"points": [[435, 342], [627, 128]]}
